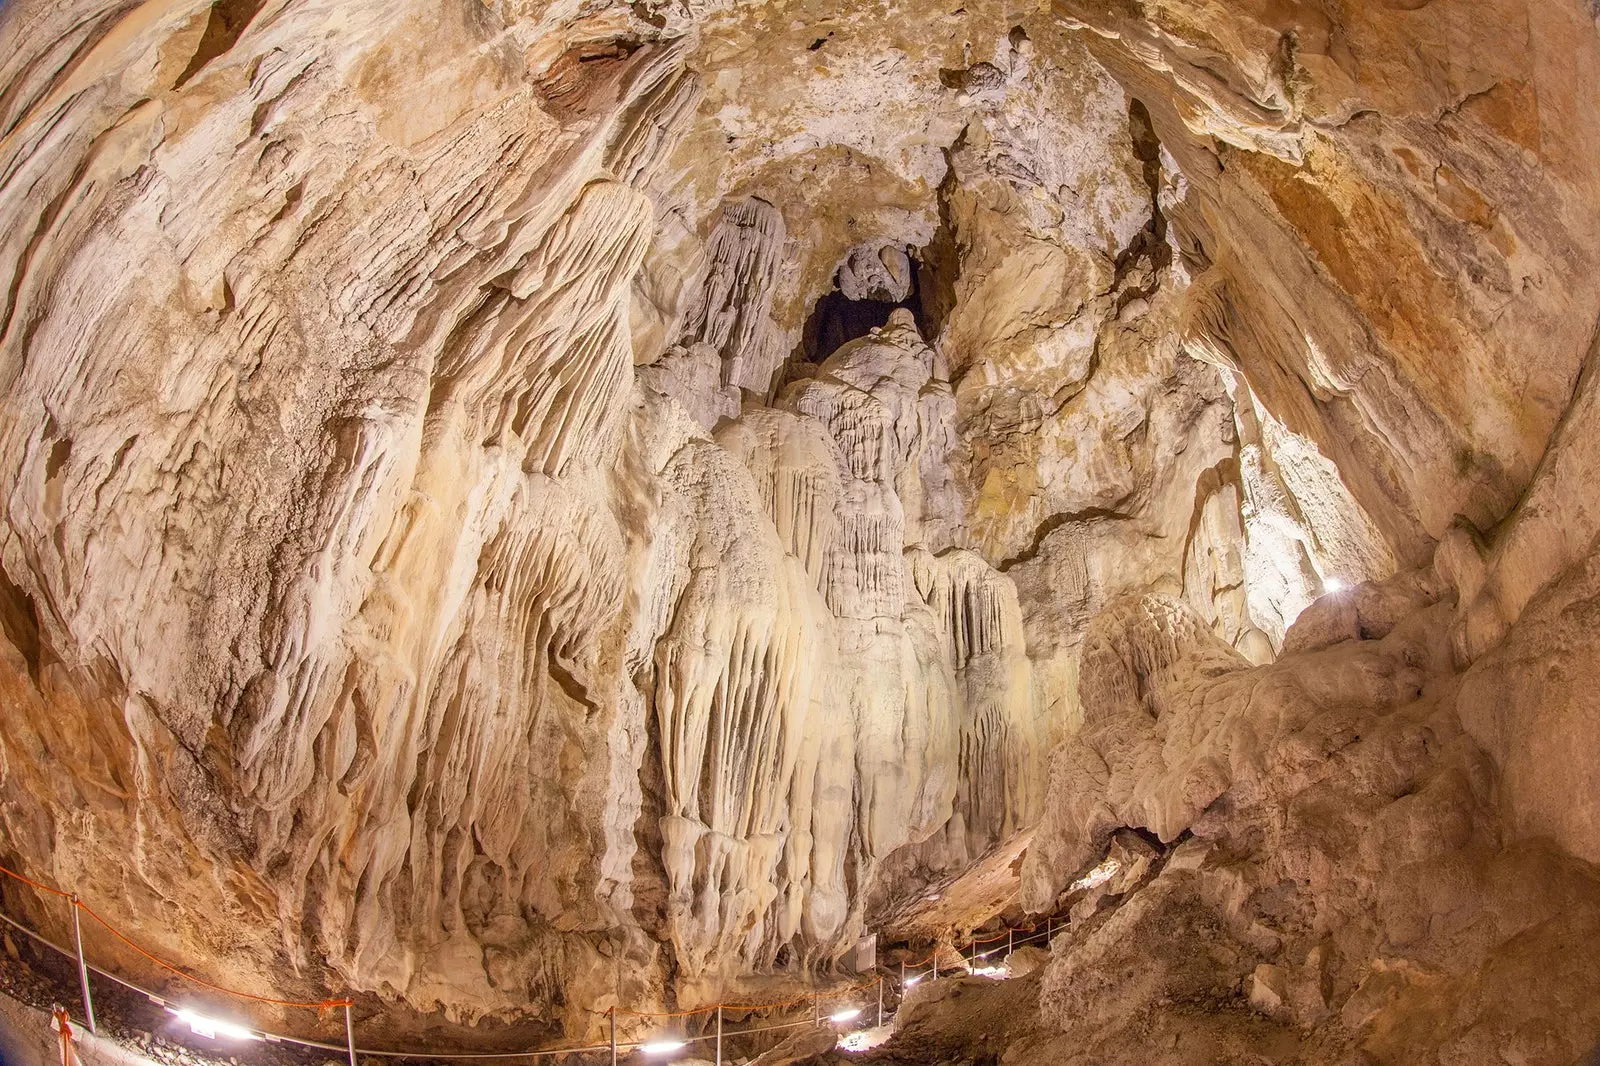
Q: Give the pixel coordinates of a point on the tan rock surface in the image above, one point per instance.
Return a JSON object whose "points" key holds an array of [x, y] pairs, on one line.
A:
{"points": [[1342, 884], [514, 509]]}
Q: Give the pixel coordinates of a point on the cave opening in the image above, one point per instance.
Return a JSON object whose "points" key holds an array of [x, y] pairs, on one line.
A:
{"points": [[836, 319]]}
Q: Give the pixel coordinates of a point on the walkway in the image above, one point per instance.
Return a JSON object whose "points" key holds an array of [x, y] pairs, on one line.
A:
{"points": [[968, 960]]}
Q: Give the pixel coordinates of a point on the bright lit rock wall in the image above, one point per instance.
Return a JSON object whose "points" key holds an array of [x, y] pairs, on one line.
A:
{"points": [[1376, 847], [348, 560]]}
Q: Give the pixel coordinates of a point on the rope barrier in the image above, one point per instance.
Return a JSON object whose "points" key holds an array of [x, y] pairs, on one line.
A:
{"points": [[323, 1004], [441, 1055], [34, 884], [446, 1055], [613, 1045], [77, 903], [1021, 932], [809, 997]]}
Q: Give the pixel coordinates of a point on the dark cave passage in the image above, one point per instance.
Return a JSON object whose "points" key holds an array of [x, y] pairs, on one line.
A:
{"points": [[836, 319]]}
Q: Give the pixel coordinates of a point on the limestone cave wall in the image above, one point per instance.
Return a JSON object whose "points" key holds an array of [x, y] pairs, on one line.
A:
{"points": [[439, 563]]}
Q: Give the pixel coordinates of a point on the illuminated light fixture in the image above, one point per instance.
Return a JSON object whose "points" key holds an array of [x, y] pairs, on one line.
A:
{"points": [[1333, 584], [662, 1047], [913, 980], [845, 1015], [212, 1028]]}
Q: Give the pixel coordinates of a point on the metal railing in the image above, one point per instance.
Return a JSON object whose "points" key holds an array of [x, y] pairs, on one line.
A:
{"points": [[1014, 938], [613, 1045]]}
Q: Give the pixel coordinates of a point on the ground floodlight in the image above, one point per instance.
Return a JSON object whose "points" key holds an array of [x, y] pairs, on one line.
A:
{"points": [[212, 1028], [662, 1047]]}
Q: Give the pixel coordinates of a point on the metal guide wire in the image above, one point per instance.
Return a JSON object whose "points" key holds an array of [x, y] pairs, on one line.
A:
{"points": [[613, 1046]]}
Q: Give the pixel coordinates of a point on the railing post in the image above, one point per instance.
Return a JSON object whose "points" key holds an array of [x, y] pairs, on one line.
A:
{"points": [[1011, 942], [1049, 925], [719, 1034], [349, 1033], [83, 968], [902, 975], [613, 1013], [935, 962], [880, 999]]}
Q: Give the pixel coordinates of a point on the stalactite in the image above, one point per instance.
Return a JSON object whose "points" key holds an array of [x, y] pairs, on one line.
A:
{"points": [[1001, 732], [795, 467], [444, 565], [732, 312], [732, 695]]}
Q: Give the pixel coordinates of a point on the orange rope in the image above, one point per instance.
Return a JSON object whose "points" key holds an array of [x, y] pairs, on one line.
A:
{"points": [[63, 1027], [29, 881], [84, 907], [326, 1003], [320, 1005]]}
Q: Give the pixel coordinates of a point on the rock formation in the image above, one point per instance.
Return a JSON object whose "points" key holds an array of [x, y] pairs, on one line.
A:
{"points": [[1331, 877], [517, 509]]}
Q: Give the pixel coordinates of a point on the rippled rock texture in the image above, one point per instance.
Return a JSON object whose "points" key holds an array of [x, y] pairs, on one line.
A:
{"points": [[516, 508]]}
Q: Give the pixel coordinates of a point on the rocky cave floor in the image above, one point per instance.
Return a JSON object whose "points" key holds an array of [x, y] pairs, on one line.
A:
{"points": [[955, 1021], [976, 1021], [961, 1021], [43, 980]]}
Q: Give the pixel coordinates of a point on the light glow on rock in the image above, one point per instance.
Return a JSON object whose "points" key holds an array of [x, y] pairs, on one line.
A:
{"points": [[212, 1028], [865, 1039], [1097, 876], [662, 1047]]}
